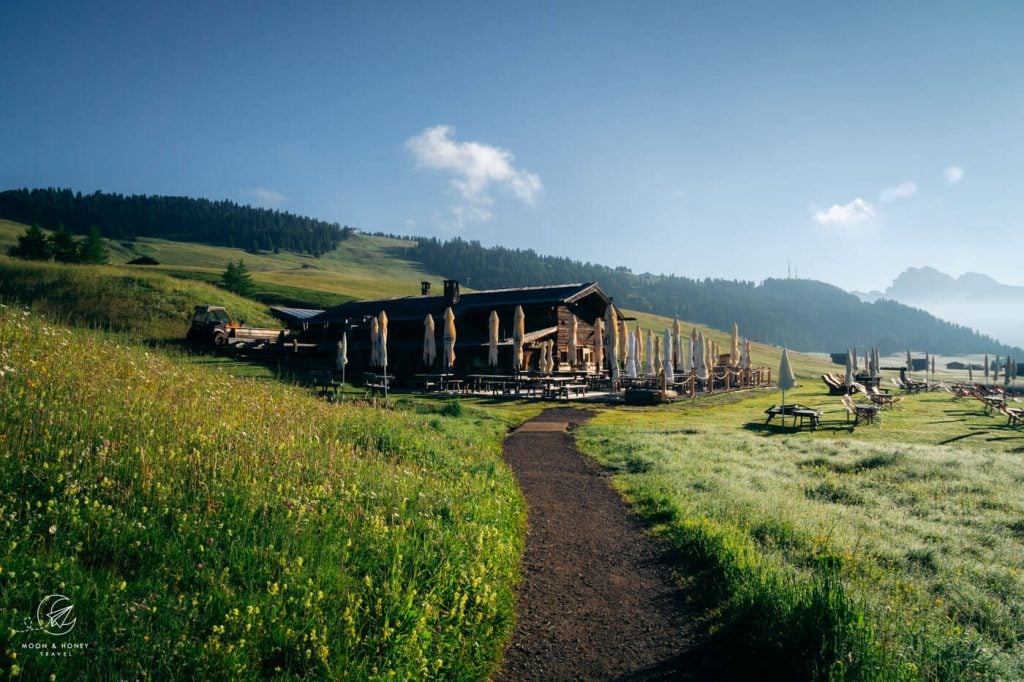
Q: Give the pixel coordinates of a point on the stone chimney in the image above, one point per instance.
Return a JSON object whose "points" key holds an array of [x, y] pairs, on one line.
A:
{"points": [[451, 292]]}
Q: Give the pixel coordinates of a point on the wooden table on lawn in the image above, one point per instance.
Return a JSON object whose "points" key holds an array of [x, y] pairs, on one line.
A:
{"points": [[796, 411]]}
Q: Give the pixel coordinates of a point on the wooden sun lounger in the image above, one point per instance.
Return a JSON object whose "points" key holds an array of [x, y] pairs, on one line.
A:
{"points": [[869, 413]]}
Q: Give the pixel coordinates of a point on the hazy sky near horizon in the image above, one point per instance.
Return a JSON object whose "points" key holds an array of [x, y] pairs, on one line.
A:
{"points": [[712, 139]]}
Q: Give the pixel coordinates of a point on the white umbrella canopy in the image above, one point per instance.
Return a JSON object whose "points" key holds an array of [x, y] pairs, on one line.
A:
{"points": [[374, 342], [623, 341], [573, 331], [649, 354], [492, 339], [745, 355], [995, 370], [599, 343], [658, 358], [734, 351], [670, 373], [639, 349], [518, 332], [449, 339], [970, 372], [429, 345], [341, 356], [631, 356], [986, 366], [382, 340], [551, 356], [787, 380], [693, 348], [700, 365], [854, 351]]}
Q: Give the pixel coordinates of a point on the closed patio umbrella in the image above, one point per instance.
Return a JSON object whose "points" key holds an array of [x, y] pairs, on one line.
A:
{"points": [[611, 330], [787, 380], [670, 373], [383, 341], [677, 355], [659, 359], [910, 364], [639, 350], [374, 342], [599, 343], [613, 345], [700, 365], [341, 359], [492, 339], [449, 339], [623, 341], [631, 356], [734, 351], [649, 353], [854, 351], [693, 348], [970, 371], [429, 345], [986, 367], [995, 371], [518, 332], [551, 356], [745, 355]]}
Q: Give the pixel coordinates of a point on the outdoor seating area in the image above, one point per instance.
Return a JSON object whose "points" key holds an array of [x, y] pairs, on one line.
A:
{"points": [[799, 412], [868, 413]]}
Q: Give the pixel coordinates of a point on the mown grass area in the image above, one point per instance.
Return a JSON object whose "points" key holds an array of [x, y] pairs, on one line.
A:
{"points": [[880, 552], [206, 527]]}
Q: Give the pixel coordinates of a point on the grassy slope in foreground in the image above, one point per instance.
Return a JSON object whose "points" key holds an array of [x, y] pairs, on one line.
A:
{"points": [[211, 528], [916, 526]]}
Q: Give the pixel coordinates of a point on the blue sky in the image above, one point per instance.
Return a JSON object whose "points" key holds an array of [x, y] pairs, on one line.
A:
{"points": [[706, 139]]}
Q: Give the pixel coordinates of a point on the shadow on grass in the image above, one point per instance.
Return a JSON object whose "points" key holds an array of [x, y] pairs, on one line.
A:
{"points": [[954, 439], [777, 429]]}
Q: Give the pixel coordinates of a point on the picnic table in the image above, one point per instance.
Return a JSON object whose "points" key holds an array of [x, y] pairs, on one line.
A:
{"points": [[377, 384], [795, 410]]}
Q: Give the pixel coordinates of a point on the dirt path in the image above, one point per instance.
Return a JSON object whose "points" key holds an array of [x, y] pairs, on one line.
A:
{"points": [[597, 601]]}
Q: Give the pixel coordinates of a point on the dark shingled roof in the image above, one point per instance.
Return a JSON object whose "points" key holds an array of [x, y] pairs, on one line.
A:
{"points": [[417, 307]]}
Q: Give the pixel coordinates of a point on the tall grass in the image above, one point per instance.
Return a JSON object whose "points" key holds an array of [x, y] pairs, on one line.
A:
{"points": [[144, 305], [206, 527]]}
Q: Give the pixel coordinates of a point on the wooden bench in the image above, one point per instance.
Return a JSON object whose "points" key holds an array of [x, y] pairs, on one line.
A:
{"points": [[805, 414], [323, 382]]}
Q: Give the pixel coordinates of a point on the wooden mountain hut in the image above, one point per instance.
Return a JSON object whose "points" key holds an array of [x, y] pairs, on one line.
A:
{"points": [[548, 310]]}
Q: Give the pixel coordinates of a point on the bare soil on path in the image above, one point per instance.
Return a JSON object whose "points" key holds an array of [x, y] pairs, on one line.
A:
{"points": [[597, 600]]}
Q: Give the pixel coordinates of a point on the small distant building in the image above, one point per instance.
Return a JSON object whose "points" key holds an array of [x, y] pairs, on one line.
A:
{"points": [[144, 260], [548, 314]]}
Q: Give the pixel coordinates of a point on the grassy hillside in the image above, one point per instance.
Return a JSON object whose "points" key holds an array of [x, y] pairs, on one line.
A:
{"points": [[212, 528], [141, 303]]}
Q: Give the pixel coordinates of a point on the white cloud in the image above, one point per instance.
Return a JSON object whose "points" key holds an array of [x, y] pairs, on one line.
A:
{"points": [[261, 196], [856, 211], [900, 191], [953, 174], [477, 168]]}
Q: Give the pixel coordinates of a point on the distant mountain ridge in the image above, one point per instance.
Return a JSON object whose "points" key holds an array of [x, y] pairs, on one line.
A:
{"points": [[928, 284], [973, 299]]}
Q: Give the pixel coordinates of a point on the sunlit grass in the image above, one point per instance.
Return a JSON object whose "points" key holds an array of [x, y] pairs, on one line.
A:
{"points": [[913, 526], [214, 528]]}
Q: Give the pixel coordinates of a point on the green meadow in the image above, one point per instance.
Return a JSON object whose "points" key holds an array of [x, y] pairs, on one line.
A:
{"points": [[209, 527], [883, 552], [210, 519]]}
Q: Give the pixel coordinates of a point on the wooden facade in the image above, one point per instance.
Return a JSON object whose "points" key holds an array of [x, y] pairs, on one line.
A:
{"points": [[548, 314]]}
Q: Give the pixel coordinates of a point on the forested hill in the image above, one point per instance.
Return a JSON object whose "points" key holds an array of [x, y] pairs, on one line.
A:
{"points": [[804, 315], [220, 223]]}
